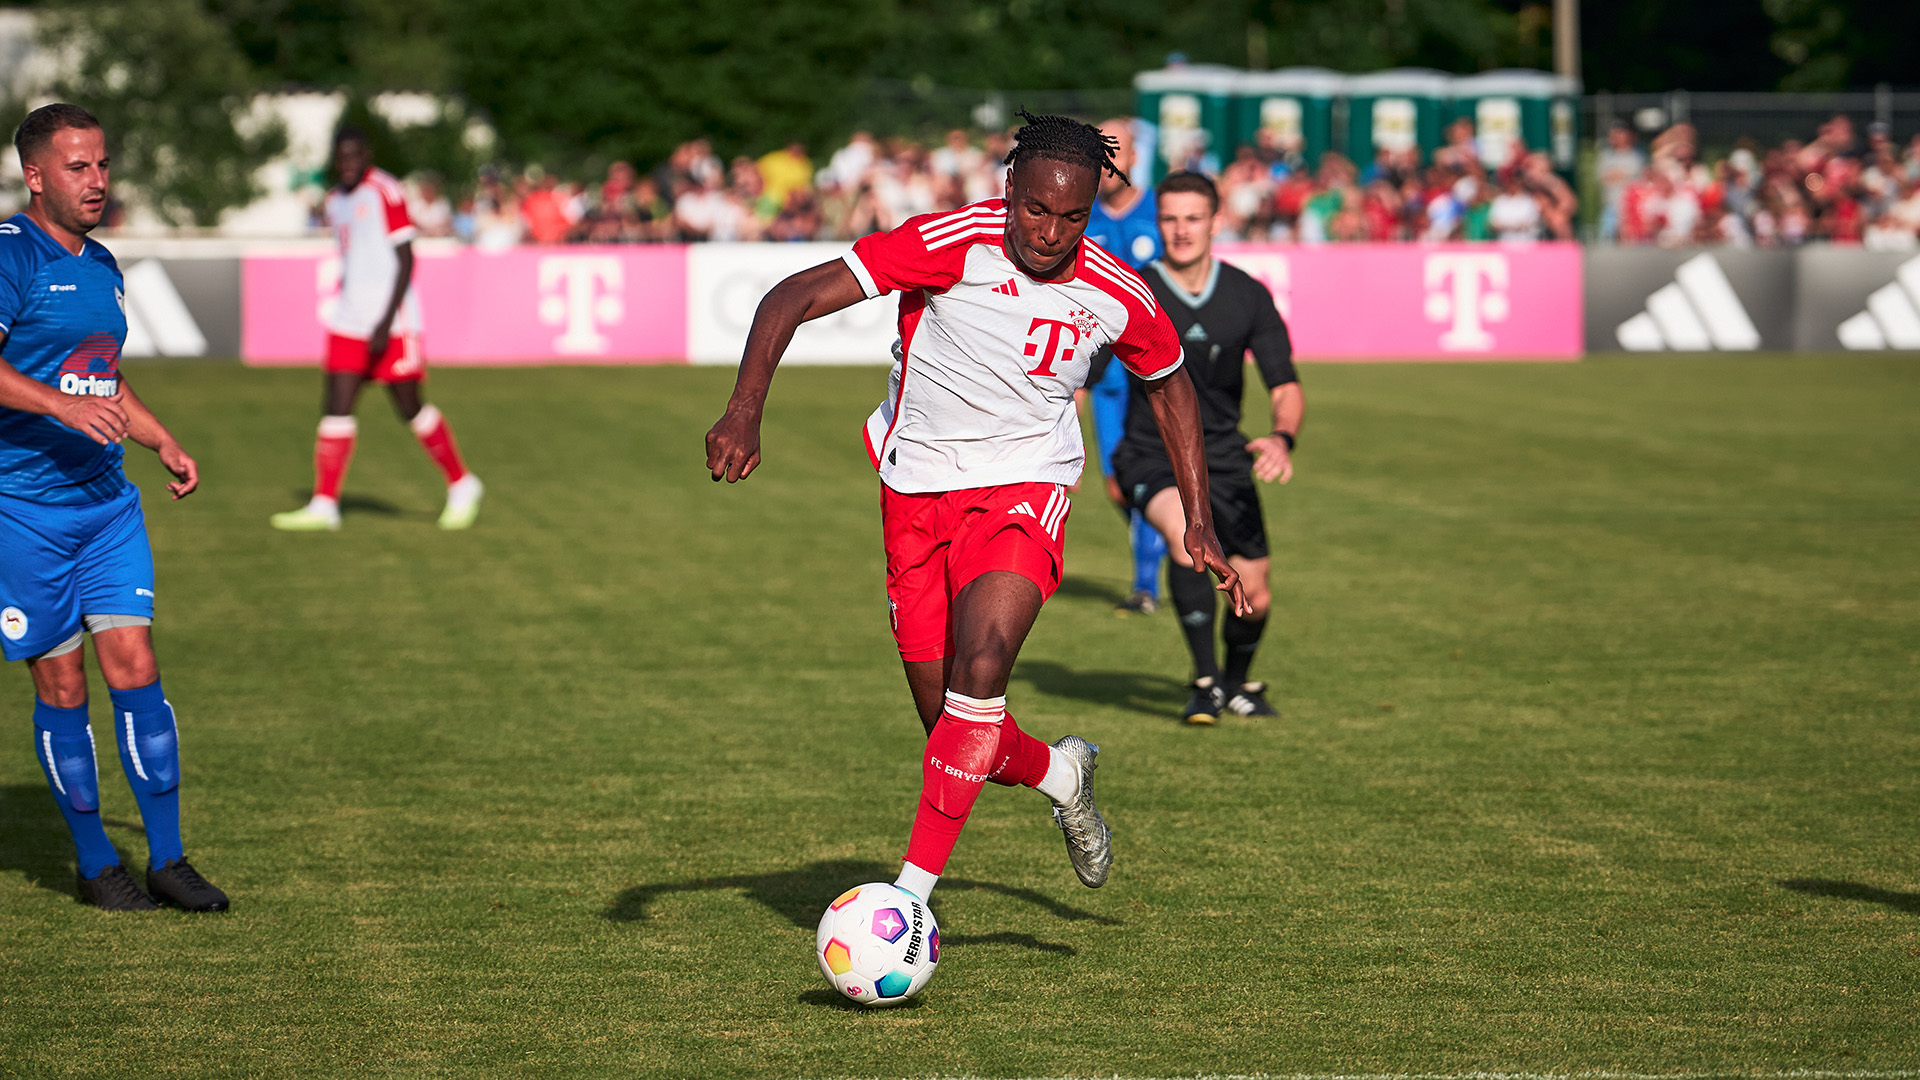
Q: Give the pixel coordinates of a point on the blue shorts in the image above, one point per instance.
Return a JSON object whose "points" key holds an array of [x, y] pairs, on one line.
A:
{"points": [[58, 563]]}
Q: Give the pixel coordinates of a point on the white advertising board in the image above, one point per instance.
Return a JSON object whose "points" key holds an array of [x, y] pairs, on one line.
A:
{"points": [[725, 283]]}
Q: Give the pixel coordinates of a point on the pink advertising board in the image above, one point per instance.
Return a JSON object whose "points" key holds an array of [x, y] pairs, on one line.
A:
{"points": [[1417, 302], [571, 305]]}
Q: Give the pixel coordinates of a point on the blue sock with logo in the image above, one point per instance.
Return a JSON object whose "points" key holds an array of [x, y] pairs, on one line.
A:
{"points": [[1149, 547], [150, 753], [63, 743]]}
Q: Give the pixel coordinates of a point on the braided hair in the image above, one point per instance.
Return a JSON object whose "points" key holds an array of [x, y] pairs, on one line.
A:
{"points": [[1062, 138]]}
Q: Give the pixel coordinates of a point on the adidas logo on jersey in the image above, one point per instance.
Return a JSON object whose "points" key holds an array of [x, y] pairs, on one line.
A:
{"points": [[1196, 333], [1011, 288]]}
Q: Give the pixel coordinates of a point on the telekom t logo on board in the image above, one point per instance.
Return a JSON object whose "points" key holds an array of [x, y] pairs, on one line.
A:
{"points": [[580, 294], [1053, 350], [1467, 292]]}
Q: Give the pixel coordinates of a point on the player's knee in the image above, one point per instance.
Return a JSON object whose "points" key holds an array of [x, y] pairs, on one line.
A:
{"points": [[1260, 600]]}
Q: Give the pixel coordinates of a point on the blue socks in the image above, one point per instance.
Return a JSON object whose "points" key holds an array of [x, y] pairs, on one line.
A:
{"points": [[63, 744], [1149, 547], [150, 753]]}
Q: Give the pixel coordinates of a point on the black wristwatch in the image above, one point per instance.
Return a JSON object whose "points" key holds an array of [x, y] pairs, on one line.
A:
{"points": [[1285, 438]]}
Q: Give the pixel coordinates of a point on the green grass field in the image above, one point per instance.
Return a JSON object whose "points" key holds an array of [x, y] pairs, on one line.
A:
{"points": [[1598, 751]]}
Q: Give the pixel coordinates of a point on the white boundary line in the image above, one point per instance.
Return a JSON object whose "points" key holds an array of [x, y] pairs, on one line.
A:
{"points": [[1791, 1074]]}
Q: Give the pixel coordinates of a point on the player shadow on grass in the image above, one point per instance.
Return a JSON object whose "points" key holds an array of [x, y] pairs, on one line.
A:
{"points": [[1135, 691], [1082, 588], [367, 504], [801, 894], [34, 841], [1908, 902]]}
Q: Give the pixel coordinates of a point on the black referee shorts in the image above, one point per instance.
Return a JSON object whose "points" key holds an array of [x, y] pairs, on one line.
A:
{"points": [[1236, 503]]}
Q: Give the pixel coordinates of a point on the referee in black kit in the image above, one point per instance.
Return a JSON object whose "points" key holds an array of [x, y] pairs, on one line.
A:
{"points": [[1222, 315]]}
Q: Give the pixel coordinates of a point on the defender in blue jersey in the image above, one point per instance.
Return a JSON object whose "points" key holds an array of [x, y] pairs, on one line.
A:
{"points": [[1124, 222], [73, 545]]}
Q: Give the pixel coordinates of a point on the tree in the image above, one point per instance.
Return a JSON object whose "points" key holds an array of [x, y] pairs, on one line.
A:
{"points": [[566, 81], [172, 92]]}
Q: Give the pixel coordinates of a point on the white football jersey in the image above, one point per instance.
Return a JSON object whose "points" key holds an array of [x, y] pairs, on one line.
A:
{"points": [[982, 392], [369, 222]]}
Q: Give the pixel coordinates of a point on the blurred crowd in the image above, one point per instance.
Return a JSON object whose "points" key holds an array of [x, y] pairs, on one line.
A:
{"points": [[873, 184], [1835, 188]]}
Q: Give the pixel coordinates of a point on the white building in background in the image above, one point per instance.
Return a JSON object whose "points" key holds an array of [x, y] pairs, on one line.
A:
{"points": [[291, 185]]}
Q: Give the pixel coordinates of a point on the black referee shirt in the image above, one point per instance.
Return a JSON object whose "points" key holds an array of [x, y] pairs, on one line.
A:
{"points": [[1233, 316]]}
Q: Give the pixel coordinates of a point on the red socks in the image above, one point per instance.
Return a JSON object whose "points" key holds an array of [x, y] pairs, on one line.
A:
{"points": [[332, 451], [960, 753], [437, 438], [1022, 760]]}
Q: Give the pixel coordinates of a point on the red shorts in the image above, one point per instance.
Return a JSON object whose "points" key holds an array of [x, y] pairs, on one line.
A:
{"points": [[402, 362], [938, 542]]}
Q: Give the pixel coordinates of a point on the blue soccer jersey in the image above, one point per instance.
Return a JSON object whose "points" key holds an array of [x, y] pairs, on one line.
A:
{"points": [[1134, 235], [62, 321]]}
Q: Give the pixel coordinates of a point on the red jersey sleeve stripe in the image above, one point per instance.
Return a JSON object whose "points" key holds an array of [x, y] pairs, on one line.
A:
{"points": [[1121, 285], [983, 232], [1120, 275]]}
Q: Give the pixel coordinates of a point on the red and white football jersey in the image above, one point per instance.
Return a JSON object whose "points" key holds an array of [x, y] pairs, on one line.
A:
{"points": [[982, 392], [370, 221]]}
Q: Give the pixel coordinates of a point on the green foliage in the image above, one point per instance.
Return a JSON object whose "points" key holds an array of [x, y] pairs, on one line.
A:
{"points": [[371, 44], [575, 80], [171, 90]]}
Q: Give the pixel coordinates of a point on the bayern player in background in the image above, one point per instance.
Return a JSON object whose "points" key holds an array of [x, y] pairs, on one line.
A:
{"points": [[74, 557], [374, 333], [1002, 307], [1123, 222]]}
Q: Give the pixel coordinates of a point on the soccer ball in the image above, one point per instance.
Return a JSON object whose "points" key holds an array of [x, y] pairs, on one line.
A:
{"points": [[877, 944]]}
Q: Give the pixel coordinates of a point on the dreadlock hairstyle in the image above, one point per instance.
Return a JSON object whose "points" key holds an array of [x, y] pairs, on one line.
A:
{"points": [[1062, 138]]}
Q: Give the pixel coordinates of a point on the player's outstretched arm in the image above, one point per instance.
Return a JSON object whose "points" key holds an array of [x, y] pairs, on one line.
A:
{"points": [[733, 444], [1177, 412], [146, 429], [101, 419]]}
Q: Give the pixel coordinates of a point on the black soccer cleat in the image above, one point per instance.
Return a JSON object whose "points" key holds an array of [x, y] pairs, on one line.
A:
{"points": [[179, 884], [1139, 602], [1250, 699], [1207, 701], [113, 890]]}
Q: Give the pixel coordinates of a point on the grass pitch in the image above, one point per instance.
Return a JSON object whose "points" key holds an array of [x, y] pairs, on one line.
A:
{"points": [[1598, 750]]}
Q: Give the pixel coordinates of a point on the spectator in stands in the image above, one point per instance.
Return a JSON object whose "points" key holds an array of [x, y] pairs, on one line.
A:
{"points": [[1514, 214], [1619, 164], [783, 172], [429, 207], [547, 211]]}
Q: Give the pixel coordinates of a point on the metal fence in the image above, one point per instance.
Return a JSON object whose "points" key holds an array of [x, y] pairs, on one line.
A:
{"points": [[1724, 119]]}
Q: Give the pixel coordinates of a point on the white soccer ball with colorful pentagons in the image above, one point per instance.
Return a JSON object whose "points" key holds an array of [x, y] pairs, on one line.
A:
{"points": [[877, 944]]}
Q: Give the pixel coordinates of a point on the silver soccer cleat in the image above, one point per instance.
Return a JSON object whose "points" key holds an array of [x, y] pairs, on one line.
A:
{"points": [[1089, 842]]}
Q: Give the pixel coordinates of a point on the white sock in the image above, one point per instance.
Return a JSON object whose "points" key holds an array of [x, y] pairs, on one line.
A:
{"points": [[1062, 782], [320, 504], [915, 880]]}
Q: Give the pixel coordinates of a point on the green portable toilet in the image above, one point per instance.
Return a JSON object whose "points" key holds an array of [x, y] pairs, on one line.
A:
{"points": [[1537, 107], [1293, 107], [1191, 108], [1395, 109]]}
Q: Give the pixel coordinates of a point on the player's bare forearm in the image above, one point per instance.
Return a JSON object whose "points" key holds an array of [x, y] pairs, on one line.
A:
{"points": [[733, 444], [1273, 458], [1177, 411], [146, 429], [99, 418]]}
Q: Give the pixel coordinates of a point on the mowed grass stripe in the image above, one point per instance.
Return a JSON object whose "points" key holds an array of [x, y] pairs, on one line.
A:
{"points": [[1596, 754]]}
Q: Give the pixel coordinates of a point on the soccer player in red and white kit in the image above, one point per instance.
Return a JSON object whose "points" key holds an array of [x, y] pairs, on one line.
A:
{"points": [[374, 333], [1002, 307]]}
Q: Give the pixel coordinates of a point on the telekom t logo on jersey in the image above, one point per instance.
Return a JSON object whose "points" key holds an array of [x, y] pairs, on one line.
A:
{"points": [[1467, 291], [581, 294], [1054, 350]]}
